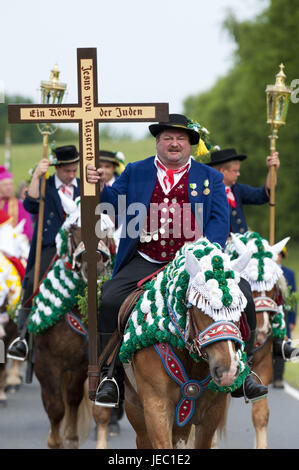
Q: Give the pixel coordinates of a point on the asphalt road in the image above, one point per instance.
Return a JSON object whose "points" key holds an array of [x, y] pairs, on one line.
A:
{"points": [[24, 423]]}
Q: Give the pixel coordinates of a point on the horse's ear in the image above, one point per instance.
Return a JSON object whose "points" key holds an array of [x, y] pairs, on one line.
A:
{"points": [[279, 246], [239, 245], [19, 228], [192, 265]]}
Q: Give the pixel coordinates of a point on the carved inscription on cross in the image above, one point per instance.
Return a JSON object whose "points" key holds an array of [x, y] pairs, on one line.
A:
{"points": [[88, 113]]}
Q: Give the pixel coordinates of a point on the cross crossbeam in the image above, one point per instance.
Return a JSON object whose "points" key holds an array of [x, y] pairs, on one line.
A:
{"points": [[88, 113]]}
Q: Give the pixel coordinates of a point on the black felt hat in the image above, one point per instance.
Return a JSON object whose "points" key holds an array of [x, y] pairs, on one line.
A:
{"points": [[176, 121], [65, 155], [106, 156], [224, 156]]}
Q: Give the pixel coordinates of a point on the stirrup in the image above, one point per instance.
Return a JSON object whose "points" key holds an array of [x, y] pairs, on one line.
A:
{"points": [[252, 400], [108, 405], [16, 358]]}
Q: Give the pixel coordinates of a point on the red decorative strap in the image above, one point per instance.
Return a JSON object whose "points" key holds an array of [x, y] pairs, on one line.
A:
{"points": [[191, 389], [219, 331], [75, 324], [148, 278], [18, 265]]}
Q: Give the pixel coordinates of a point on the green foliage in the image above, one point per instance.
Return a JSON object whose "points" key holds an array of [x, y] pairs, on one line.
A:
{"points": [[234, 110], [83, 299]]}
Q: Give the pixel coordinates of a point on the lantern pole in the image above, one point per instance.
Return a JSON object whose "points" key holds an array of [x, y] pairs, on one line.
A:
{"points": [[278, 96], [52, 92]]}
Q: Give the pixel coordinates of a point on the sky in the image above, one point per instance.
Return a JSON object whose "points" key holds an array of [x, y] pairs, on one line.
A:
{"points": [[147, 51]]}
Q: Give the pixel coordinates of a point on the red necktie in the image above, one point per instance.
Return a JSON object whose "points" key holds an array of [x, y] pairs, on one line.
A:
{"points": [[170, 172], [230, 196]]}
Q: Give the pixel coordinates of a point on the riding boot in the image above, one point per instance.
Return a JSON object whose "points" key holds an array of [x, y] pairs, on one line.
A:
{"points": [[19, 348], [250, 389], [110, 389], [283, 350]]}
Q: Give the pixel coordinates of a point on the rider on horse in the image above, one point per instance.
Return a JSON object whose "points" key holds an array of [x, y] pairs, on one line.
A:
{"points": [[186, 189], [64, 180]]}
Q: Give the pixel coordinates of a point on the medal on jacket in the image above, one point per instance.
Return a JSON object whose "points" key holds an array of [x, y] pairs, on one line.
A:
{"points": [[206, 191], [193, 186]]}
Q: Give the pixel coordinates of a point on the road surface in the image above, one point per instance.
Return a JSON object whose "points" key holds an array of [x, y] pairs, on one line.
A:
{"points": [[24, 423]]}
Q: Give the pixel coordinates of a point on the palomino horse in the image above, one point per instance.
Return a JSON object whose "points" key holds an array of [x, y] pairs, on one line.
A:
{"points": [[181, 347], [61, 338], [266, 279]]}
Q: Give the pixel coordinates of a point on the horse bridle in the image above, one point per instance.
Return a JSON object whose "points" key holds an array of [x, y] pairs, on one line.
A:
{"points": [[263, 303], [79, 251]]}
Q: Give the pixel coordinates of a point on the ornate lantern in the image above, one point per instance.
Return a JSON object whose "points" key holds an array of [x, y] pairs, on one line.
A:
{"points": [[278, 97]]}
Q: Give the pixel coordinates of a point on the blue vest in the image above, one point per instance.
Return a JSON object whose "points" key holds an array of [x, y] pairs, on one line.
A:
{"points": [[244, 194]]}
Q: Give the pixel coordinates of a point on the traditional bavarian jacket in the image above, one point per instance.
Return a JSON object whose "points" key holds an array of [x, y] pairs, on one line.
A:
{"points": [[205, 191], [53, 218], [244, 194], [169, 223]]}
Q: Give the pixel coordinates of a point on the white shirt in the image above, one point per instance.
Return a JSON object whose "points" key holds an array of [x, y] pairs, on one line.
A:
{"points": [[59, 184], [161, 177]]}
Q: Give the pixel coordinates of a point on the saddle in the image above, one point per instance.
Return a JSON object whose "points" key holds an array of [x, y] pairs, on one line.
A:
{"points": [[112, 349], [127, 308]]}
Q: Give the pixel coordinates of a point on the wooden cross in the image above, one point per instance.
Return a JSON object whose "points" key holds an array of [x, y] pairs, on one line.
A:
{"points": [[88, 114]]}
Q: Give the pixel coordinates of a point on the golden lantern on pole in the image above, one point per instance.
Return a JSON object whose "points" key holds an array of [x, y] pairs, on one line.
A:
{"points": [[52, 92], [278, 97]]}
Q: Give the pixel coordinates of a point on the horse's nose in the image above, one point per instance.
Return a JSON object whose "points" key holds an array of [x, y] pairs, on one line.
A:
{"points": [[217, 373], [224, 377]]}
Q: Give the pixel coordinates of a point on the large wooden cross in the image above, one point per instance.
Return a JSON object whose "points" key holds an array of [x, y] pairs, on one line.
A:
{"points": [[88, 113]]}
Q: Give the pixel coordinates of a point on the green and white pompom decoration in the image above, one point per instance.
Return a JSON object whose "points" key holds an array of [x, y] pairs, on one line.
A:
{"points": [[262, 271], [201, 275]]}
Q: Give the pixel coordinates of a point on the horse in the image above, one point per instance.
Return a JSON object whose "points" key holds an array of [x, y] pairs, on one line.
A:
{"points": [[181, 347], [61, 338], [267, 282], [13, 256]]}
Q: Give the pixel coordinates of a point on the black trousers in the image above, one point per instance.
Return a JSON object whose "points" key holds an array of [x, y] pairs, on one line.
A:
{"points": [[115, 291], [46, 257]]}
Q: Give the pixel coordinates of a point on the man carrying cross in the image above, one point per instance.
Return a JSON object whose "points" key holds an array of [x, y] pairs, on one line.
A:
{"points": [[63, 181], [193, 196]]}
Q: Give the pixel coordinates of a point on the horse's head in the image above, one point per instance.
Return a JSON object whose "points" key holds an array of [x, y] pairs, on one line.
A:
{"points": [[102, 252], [215, 306], [75, 245], [264, 276]]}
